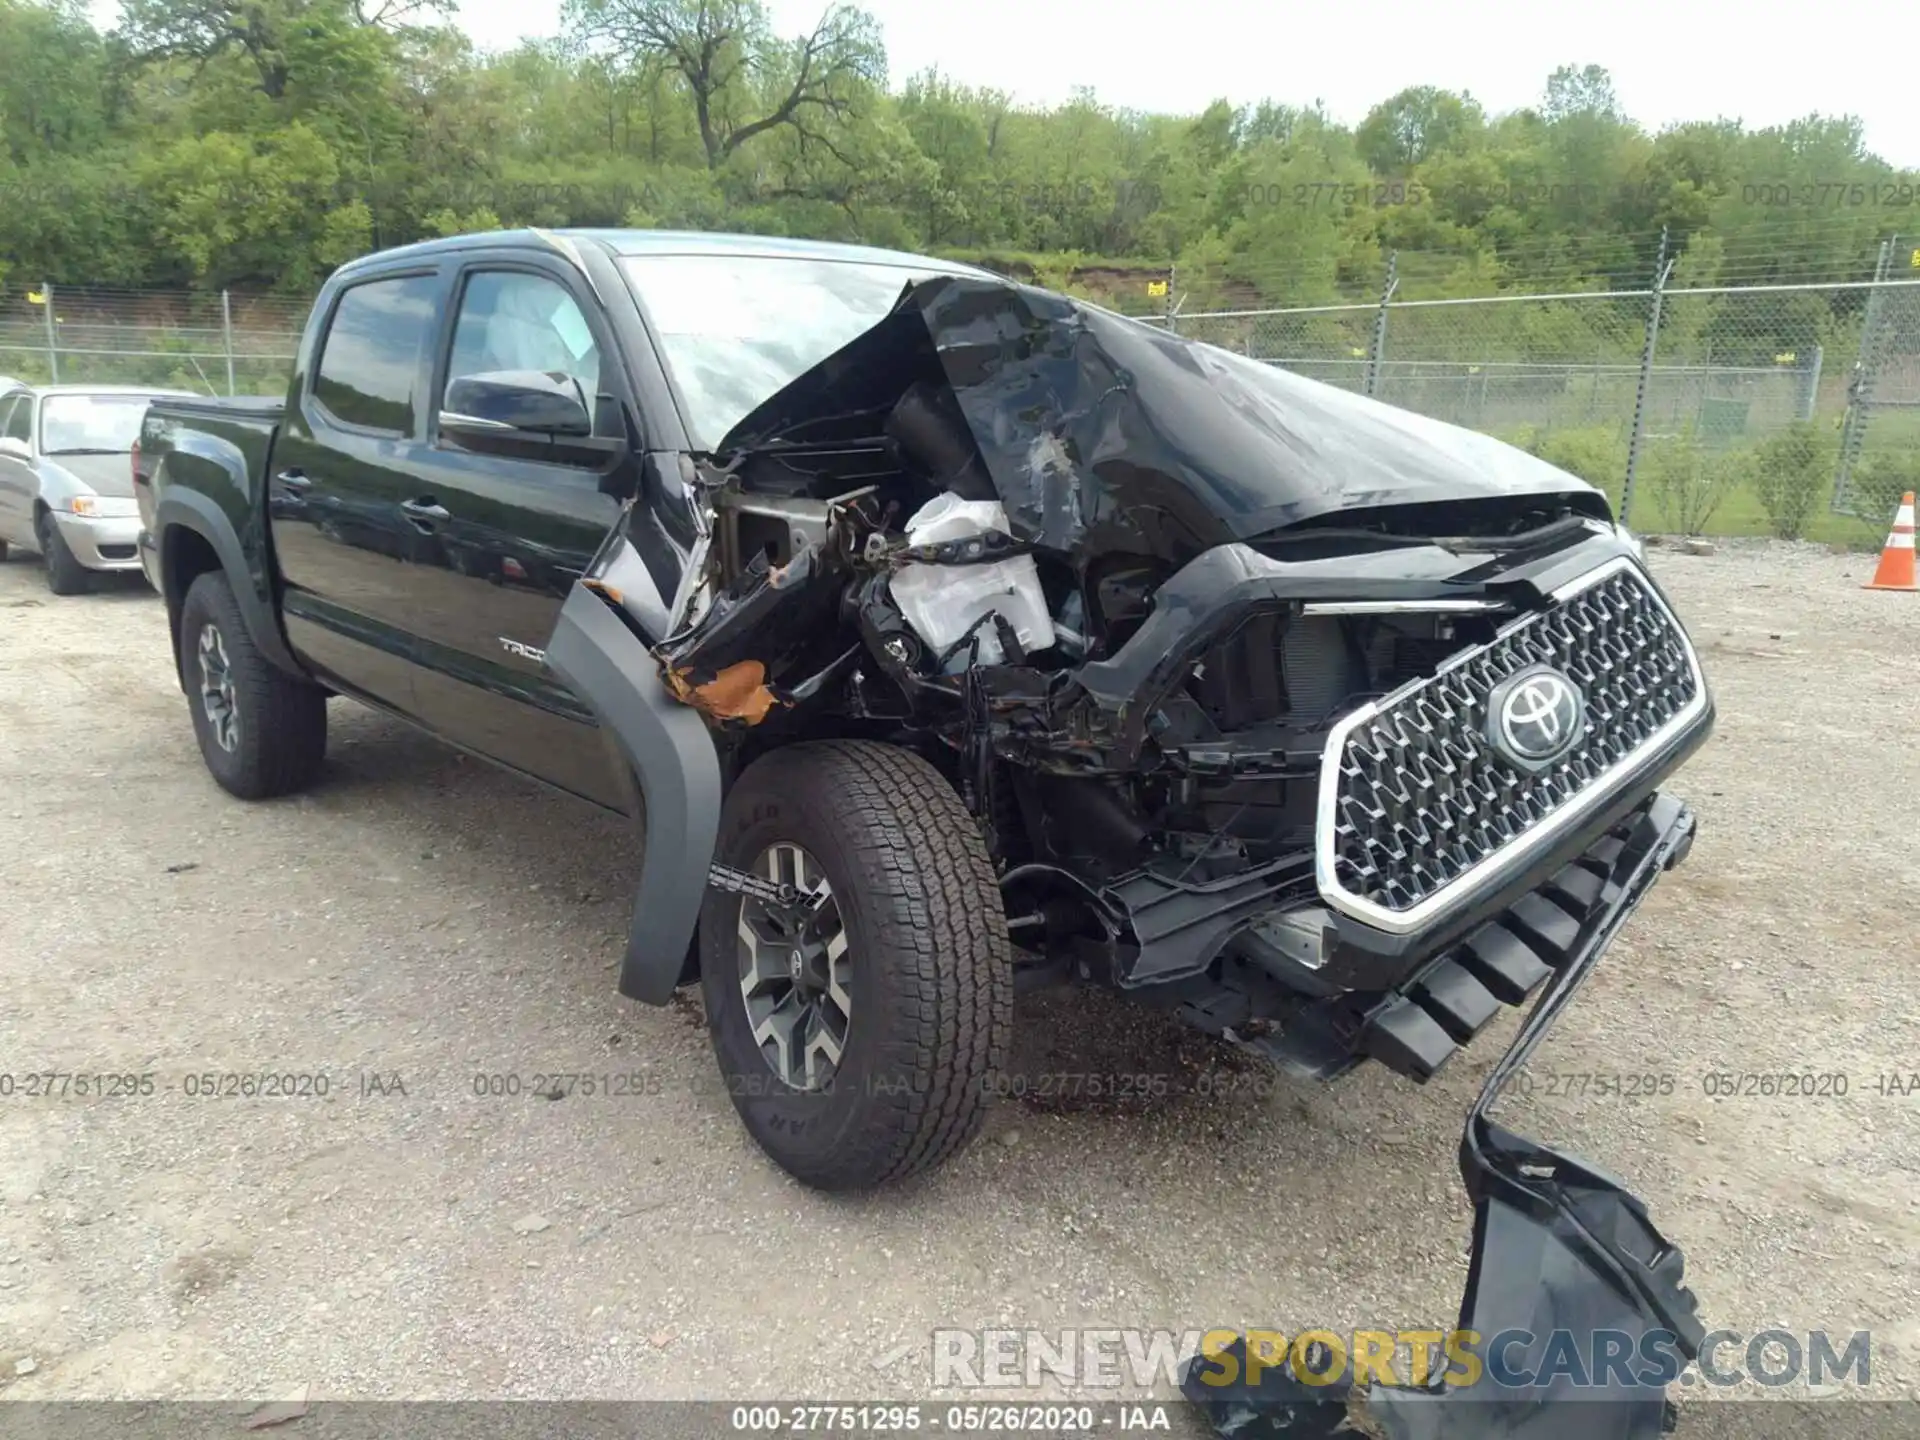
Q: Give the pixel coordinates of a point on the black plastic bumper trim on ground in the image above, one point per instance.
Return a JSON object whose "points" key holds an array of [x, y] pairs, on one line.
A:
{"points": [[1559, 1250]]}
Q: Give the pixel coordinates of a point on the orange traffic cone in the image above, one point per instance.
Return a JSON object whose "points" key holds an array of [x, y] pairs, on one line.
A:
{"points": [[1896, 557]]}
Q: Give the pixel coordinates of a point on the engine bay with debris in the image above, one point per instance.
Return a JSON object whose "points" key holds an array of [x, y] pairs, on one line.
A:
{"points": [[1128, 592]]}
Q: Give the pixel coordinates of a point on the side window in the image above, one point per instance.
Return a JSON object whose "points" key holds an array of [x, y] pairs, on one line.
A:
{"points": [[16, 417], [370, 359], [511, 320]]}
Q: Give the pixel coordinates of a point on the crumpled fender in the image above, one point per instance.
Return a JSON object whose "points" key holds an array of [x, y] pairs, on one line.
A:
{"points": [[1562, 1254], [606, 664]]}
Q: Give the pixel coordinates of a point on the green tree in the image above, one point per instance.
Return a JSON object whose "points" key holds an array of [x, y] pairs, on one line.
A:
{"points": [[232, 209], [951, 127], [1407, 129], [743, 79], [320, 41], [1584, 90], [59, 89], [261, 142]]}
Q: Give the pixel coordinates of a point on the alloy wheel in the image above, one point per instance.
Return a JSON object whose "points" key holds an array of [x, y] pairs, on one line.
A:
{"points": [[219, 701], [795, 971]]}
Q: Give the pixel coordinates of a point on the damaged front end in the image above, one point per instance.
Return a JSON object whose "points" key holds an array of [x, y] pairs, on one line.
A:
{"points": [[1208, 649], [1332, 729], [1575, 1318]]}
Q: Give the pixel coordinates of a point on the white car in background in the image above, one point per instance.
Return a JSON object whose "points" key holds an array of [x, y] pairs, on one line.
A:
{"points": [[66, 477]]}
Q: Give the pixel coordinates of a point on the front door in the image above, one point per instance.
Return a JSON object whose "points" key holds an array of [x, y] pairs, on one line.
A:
{"points": [[16, 474], [512, 535], [345, 465]]}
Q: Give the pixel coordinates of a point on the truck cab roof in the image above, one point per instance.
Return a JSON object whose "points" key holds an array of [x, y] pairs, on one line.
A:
{"points": [[671, 242]]}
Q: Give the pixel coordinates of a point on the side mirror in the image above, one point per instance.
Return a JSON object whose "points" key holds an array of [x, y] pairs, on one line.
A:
{"points": [[15, 448], [533, 401]]}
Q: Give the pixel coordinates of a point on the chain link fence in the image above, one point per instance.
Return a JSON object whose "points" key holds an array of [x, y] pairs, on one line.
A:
{"points": [[1330, 343], [217, 343], [1752, 408], [1515, 368], [1880, 435]]}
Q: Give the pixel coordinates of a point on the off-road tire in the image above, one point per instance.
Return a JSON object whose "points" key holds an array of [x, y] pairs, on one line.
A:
{"points": [[282, 720], [932, 965], [65, 575]]}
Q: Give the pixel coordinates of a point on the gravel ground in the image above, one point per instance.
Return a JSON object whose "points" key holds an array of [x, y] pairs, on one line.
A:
{"points": [[422, 919]]}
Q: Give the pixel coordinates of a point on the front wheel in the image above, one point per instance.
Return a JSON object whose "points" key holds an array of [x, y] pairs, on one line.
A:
{"points": [[65, 574], [859, 1020]]}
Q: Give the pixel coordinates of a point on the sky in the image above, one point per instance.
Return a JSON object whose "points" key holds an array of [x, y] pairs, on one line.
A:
{"points": [[1671, 60]]}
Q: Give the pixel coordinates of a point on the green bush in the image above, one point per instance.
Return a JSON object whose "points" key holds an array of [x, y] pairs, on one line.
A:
{"points": [[1791, 474], [1691, 481], [1879, 481], [1596, 454]]}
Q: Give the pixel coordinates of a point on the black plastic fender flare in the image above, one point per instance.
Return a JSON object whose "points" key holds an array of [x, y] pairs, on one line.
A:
{"points": [[188, 510], [678, 768]]}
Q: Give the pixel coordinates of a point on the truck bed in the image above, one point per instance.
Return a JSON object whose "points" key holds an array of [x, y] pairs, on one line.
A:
{"points": [[263, 407], [242, 424]]}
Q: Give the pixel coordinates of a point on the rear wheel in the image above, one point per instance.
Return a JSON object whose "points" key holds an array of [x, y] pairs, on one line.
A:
{"points": [[262, 732], [857, 1020], [65, 575]]}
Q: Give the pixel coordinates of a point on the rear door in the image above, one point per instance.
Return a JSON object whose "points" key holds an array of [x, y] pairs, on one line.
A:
{"points": [[512, 535], [347, 460]]}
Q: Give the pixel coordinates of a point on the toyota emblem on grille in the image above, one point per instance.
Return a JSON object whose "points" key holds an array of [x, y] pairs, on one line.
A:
{"points": [[1538, 715]]}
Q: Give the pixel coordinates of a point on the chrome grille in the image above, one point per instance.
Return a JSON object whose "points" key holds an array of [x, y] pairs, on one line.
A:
{"points": [[1415, 799]]}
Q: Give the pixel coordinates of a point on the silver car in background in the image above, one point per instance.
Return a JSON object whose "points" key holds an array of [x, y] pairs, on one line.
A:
{"points": [[66, 477]]}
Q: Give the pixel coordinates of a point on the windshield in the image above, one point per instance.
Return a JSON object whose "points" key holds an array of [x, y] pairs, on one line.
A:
{"points": [[736, 329], [91, 424]]}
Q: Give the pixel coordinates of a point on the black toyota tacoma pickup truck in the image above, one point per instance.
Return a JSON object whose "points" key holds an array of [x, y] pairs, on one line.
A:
{"points": [[944, 637]]}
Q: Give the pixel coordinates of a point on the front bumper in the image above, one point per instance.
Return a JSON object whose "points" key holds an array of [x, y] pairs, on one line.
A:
{"points": [[1562, 1255], [1448, 1001], [1436, 799], [104, 542]]}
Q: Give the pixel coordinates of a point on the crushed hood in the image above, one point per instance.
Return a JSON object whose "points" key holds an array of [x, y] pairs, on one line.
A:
{"points": [[1102, 434]]}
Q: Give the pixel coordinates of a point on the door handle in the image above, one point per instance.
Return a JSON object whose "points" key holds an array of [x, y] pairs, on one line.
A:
{"points": [[293, 480], [425, 512]]}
